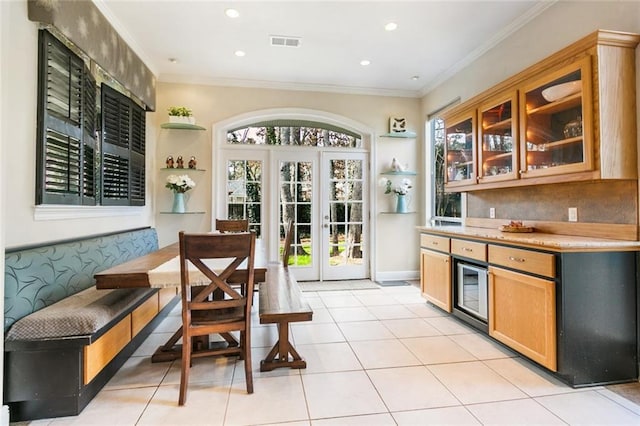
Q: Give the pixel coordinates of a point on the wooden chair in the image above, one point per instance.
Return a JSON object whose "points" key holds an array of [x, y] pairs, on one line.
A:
{"points": [[216, 307], [232, 225], [286, 249]]}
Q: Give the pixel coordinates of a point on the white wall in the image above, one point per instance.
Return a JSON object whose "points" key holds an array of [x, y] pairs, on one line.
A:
{"points": [[396, 251], [555, 28], [19, 67]]}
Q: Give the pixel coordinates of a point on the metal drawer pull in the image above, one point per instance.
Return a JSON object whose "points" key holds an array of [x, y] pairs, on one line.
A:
{"points": [[516, 259], [435, 243], [467, 249]]}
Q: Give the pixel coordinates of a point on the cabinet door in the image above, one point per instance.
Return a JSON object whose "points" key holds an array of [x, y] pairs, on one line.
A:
{"points": [[497, 136], [522, 314], [435, 278], [460, 149], [556, 128]]}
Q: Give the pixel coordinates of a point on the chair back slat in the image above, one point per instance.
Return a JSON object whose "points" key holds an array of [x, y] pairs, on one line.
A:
{"points": [[288, 237], [232, 225]]}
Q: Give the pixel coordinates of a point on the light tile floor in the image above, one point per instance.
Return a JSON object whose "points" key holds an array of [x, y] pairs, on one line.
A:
{"points": [[375, 357]]}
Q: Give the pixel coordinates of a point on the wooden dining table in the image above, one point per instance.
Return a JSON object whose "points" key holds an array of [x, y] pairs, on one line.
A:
{"points": [[161, 269]]}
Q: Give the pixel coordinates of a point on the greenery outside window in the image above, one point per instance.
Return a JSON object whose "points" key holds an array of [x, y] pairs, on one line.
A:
{"points": [[447, 205], [294, 132]]}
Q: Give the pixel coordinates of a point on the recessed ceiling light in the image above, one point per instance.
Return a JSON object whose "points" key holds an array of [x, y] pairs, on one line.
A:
{"points": [[231, 13], [365, 62], [173, 60], [391, 26], [415, 77], [239, 53]]}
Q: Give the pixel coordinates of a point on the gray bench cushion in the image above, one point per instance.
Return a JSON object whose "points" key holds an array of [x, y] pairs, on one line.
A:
{"points": [[82, 314], [39, 277]]}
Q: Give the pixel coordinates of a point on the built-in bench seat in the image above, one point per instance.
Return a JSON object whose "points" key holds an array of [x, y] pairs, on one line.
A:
{"points": [[64, 339]]}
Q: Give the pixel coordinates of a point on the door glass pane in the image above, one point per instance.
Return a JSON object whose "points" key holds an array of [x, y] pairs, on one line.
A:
{"points": [[244, 192], [345, 212], [296, 190]]}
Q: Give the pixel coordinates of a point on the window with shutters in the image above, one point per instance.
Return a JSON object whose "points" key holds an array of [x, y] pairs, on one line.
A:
{"points": [[75, 167], [66, 127], [123, 149]]}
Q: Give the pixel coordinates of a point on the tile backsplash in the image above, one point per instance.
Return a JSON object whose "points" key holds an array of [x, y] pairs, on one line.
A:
{"points": [[606, 201]]}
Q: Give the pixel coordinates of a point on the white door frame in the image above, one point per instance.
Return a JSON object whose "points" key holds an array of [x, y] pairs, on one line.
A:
{"points": [[270, 226]]}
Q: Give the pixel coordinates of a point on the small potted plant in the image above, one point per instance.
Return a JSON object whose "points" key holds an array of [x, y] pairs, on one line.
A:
{"points": [[180, 114]]}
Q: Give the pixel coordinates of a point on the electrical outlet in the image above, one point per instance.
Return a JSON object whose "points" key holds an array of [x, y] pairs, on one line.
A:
{"points": [[573, 214], [492, 212]]}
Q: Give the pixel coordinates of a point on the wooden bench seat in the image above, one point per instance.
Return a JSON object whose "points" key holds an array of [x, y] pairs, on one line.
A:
{"points": [[282, 302]]}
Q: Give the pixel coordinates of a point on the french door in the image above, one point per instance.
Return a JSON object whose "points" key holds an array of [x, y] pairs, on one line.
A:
{"points": [[345, 216], [324, 193]]}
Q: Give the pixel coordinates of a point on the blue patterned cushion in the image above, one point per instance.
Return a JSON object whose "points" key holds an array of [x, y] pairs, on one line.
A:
{"points": [[38, 277]]}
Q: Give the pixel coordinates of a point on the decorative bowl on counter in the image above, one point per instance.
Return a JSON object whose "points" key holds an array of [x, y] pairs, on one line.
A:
{"points": [[515, 226], [559, 91]]}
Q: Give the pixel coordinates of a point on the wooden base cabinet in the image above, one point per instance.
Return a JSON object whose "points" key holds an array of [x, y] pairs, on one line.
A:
{"points": [[522, 314], [435, 278]]}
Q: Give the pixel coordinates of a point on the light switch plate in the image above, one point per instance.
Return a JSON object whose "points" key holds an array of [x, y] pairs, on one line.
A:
{"points": [[573, 214], [492, 212]]}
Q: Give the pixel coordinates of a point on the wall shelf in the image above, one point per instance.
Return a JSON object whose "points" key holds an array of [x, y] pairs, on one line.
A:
{"points": [[404, 135], [182, 213], [404, 173], [397, 213], [182, 126]]}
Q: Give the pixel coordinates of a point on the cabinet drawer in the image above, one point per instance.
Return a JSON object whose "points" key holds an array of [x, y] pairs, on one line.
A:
{"points": [[470, 249], [523, 260], [433, 242]]}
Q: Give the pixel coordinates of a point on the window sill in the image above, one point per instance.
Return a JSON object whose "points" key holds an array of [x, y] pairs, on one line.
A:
{"points": [[61, 212]]}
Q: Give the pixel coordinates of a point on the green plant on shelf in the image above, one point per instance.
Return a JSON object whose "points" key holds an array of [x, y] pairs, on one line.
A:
{"points": [[179, 111]]}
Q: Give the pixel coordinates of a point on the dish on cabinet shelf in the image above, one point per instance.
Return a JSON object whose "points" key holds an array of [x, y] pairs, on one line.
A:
{"points": [[559, 91]]}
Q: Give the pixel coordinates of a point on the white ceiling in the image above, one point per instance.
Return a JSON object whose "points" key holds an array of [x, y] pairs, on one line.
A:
{"points": [[434, 39]]}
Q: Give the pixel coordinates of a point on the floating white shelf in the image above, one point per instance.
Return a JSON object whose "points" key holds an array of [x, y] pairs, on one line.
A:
{"points": [[404, 135], [182, 126]]}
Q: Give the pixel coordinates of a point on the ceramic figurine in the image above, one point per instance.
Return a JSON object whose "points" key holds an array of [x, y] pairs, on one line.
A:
{"points": [[170, 162], [396, 166], [180, 162], [192, 163]]}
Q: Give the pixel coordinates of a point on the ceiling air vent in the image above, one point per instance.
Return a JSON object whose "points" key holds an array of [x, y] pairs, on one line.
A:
{"points": [[285, 41]]}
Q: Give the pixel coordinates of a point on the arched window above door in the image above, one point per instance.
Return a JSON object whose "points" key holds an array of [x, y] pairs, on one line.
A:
{"points": [[294, 132]]}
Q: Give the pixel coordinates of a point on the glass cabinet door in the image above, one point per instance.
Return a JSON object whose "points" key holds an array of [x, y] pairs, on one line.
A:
{"points": [[556, 124], [460, 149], [497, 150]]}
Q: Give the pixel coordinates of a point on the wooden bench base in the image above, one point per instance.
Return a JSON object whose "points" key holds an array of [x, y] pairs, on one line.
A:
{"points": [[281, 303], [283, 354]]}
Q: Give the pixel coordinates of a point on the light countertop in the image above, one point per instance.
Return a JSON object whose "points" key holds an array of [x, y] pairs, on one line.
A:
{"points": [[555, 242]]}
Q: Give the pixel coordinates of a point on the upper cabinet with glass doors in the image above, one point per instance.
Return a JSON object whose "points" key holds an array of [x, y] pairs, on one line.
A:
{"points": [[497, 138], [556, 119], [568, 117], [460, 148]]}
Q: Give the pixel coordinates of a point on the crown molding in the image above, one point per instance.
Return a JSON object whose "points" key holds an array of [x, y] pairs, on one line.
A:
{"points": [[263, 84]]}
